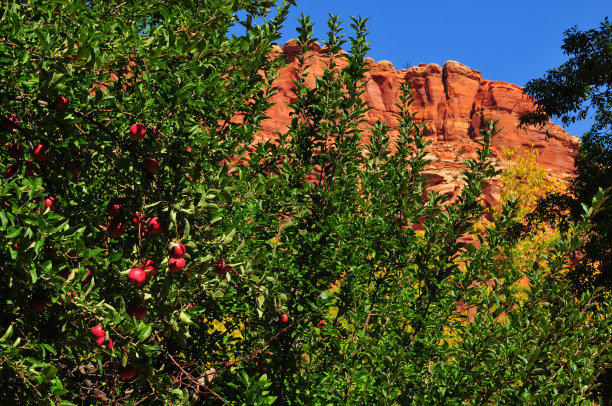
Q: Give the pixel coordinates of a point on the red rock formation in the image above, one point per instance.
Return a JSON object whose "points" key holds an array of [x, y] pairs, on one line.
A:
{"points": [[454, 100]]}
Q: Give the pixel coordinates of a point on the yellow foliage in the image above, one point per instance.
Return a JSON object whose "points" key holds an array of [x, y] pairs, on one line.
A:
{"points": [[525, 179]]}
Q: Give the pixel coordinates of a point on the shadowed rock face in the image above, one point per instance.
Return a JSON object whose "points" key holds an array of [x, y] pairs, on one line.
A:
{"points": [[454, 100]]}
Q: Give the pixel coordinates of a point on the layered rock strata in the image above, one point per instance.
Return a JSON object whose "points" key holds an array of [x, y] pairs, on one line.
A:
{"points": [[454, 101]]}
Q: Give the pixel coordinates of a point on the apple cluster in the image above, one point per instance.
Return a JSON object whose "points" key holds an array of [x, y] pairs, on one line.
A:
{"points": [[116, 227], [176, 262], [137, 133], [100, 336]]}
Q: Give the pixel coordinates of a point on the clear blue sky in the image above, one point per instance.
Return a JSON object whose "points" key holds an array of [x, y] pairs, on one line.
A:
{"points": [[513, 41]]}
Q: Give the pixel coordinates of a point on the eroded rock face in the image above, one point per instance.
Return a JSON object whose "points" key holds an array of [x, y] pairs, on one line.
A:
{"points": [[454, 100]]}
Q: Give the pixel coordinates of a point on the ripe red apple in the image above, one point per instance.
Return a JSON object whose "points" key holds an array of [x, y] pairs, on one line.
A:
{"points": [[137, 131], [321, 324], [150, 268], [151, 165], [176, 250], [8, 121], [16, 151], [114, 207], [137, 218], [110, 344], [138, 311], [86, 280], [60, 103], [137, 276], [154, 226], [97, 331], [49, 202], [38, 303], [116, 229], [126, 372], [100, 340], [176, 265], [41, 153], [222, 269], [284, 318]]}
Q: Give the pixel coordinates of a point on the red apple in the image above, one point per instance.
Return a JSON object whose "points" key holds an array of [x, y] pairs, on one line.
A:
{"points": [[97, 331], [100, 340], [151, 165], [321, 324], [38, 303], [284, 318], [154, 226], [41, 153], [60, 103], [49, 202], [16, 151], [137, 276], [138, 311], [137, 131], [126, 372], [114, 207], [150, 268], [137, 218], [176, 265], [86, 280], [8, 121], [176, 250], [116, 229], [110, 344], [222, 269]]}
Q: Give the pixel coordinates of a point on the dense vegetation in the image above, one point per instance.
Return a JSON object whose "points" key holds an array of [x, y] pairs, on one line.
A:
{"points": [[154, 253], [581, 88]]}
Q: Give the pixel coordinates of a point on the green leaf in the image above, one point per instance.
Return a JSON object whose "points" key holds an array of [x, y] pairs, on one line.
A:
{"points": [[185, 318], [13, 232], [7, 334], [186, 230], [145, 333], [33, 274]]}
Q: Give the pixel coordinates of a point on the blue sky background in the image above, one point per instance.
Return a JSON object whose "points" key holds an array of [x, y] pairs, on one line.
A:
{"points": [[513, 41]]}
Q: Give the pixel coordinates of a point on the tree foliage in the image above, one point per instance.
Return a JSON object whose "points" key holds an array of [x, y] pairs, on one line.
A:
{"points": [[582, 85], [305, 281]]}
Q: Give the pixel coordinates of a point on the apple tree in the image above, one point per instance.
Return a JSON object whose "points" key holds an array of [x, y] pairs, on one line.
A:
{"points": [[118, 120]]}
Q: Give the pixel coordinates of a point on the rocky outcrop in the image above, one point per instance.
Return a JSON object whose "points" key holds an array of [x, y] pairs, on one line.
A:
{"points": [[454, 101]]}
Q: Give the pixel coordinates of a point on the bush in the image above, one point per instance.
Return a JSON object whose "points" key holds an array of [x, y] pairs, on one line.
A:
{"points": [[315, 268]]}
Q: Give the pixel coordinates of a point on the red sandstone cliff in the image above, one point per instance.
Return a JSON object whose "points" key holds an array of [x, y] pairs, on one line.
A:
{"points": [[454, 100]]}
